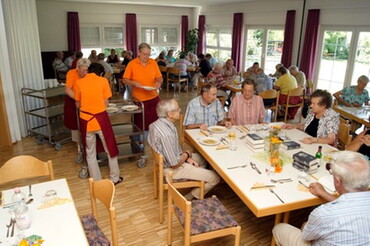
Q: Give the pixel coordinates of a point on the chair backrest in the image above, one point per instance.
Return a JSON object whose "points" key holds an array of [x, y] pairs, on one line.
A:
{"points": [[201, 83], [296, 92], [270, 94], [163, 69], [343, 120], [344, 138], [181, 130], [174, 70], [25, 167], [158, 159], [310, 84], [104, 191]]}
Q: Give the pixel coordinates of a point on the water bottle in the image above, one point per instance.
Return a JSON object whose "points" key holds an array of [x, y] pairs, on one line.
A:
{"points": [[18, 197], [22, 217]]}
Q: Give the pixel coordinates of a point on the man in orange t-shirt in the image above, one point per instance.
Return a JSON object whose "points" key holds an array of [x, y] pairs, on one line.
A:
{"points": [[92, 94], [143, 74]]}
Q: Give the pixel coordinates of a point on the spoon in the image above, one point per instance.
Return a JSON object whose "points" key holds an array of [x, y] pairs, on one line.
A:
{"points": [[237, 167], [30, 196], [8, 226]]}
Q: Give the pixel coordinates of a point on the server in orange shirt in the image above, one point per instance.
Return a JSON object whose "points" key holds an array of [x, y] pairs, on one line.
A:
{"points": [[143, 74], [70, 114], [92, 94]]}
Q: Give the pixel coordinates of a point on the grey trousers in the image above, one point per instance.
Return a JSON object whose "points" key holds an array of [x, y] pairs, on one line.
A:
{"points": [[92, 162]]}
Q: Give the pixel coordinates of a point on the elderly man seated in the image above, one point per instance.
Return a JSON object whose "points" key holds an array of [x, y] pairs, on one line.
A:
{"points": [[216, 78], [253, 68], [263, 81], [247, 108], [163, 139], [205, 110], [107, 68], [59, 67], [228, 70], [344, 221], [298, 75]]}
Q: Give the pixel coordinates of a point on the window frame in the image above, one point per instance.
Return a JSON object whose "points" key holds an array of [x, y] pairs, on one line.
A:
{"points": [[219, 47], [102, 44]]}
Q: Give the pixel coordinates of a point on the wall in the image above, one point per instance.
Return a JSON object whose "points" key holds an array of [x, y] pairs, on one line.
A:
{"points": [[52, 18]]}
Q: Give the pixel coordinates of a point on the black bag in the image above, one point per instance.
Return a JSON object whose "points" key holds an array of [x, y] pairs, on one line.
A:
{"points": [[305, 109]]}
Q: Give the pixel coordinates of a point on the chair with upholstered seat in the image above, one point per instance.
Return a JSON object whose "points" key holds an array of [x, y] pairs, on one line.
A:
{"points": [[160, 184], [271, 95], [200, 219], [174, 76], [102, 190], [298, 92], [25, 167]]}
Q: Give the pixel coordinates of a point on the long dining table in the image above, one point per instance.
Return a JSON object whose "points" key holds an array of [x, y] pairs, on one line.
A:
{"points": [[358, 114], [53, 218], [287, 196]]}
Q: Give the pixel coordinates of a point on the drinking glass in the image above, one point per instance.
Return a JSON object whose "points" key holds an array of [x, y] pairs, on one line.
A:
{"points": [[232, 144]]}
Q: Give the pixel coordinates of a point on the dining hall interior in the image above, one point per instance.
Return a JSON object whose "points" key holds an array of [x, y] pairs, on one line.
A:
{"points": [[332, 50]]}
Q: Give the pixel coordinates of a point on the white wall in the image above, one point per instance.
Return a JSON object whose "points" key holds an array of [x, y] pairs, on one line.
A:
{"points": [[52, 18]]}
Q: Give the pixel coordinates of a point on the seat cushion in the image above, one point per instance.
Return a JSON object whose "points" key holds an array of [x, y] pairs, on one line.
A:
{"points": [[207, 215], [94, 234]]}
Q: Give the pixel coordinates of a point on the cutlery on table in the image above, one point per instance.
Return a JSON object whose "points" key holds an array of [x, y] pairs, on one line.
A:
{"points": [[280, 181], [237, 128], [224, 139], [273, 192], [263, 186], [13, 224], [30, 196], [237, 167], [242, 137], [303, 184], [8, 226], [253, 166]]}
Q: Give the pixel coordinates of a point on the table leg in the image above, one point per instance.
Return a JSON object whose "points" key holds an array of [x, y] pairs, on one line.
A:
{"points": [[286, 217]]}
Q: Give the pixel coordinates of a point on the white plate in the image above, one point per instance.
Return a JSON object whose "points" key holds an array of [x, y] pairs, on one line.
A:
{"points": [[217, 129], [112, 105], [209, 141], [111, 110], [148, 88], [130, 107]]}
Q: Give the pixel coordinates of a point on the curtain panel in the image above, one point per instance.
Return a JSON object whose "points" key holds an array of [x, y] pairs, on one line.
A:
{"points": [[236, 50], [201, 34], [310, 43], [131, 33], [286, 57], [73, 32], [184, 31]]}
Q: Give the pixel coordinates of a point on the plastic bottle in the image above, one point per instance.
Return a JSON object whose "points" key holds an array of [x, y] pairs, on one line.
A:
{"points": [[22, 217], [18, 197]]}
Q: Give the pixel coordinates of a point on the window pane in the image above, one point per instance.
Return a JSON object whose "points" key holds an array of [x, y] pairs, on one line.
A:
{"points": [[225, 37], [211, 36], [275, 41], [113, 35], [334, 58], [149, 35], [254, 47], [224, 55], [362, 59], [214, 52], [90, 36], [87, 51], [169, 35]]}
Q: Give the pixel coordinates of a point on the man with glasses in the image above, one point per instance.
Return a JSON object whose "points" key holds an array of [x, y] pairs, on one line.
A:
{"points": [[163, 138], [145, 78], [343, 221]]}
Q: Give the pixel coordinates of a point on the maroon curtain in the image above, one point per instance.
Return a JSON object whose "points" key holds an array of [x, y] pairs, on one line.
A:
{"points": [[131, 33], [184, 31], [236, 50], [310, 43], [73, 29], [286, 57], [201, 34]]}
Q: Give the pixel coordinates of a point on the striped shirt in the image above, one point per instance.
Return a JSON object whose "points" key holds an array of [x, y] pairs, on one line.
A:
{"points": [[164, 140], [345, 221], [198, 113], [244, 112]]}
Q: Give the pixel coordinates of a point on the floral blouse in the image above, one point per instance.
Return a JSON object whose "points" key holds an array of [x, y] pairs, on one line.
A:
{"points": [[350, 95], [329, 123]]}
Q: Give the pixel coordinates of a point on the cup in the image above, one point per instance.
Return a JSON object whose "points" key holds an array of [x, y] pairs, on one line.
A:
{"points": [[51, 83], [232, 144], [55, 82]]}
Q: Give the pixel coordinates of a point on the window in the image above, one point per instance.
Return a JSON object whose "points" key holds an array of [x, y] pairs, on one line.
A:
{"points": [[344, 56], [160, 38], [218, 42], [102, 39], [265, 46]]}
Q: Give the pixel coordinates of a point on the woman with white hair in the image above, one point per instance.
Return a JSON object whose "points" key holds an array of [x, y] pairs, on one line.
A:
{"points": [[355, 95], [217, 78]]}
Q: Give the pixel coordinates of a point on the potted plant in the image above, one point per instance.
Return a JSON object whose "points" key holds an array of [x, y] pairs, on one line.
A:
{"points": [[191, 42]]}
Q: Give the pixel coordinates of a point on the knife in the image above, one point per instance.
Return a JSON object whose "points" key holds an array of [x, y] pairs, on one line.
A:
{"points": [[303, 184], [263, 186]]}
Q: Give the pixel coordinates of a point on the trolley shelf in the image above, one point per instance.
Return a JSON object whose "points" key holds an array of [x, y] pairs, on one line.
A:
{"points": [[52, 111]]}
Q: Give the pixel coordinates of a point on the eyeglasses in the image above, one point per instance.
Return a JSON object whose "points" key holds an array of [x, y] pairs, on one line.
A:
{"points": [[328, 167]]}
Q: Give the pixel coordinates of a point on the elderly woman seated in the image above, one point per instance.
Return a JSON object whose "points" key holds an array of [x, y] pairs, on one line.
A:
{"points": [[322, 122], [355, 95], [216, 78], [361, 143]]}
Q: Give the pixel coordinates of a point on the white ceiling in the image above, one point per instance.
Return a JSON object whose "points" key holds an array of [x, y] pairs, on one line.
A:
{"points": [[176, 3]]}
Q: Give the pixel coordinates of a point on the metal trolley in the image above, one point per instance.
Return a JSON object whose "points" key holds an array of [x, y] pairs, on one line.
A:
{"points": [[44, 115], [128, 135]]}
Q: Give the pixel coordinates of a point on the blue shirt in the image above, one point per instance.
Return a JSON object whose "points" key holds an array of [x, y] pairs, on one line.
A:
{"points": [[345, 221], [350, 95], [198, 113]]}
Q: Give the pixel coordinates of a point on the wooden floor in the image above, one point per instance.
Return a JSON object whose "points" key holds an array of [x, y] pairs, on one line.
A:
{"points": [[137, 211]]}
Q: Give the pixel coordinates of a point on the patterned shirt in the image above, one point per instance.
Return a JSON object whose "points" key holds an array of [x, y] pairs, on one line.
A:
{"points": [[244, 112], [229, 72], [182, 64], [328, 123], [350, 95], [164, 140], [264, 82], [344, 221], [198, 113], [215, 78], [59, 65]]}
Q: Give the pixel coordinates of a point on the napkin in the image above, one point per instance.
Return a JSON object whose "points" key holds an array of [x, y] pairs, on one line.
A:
{"points": [[54, 202], [327, 182], [222, 146]]}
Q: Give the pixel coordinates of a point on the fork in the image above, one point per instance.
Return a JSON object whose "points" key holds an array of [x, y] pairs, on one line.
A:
{"points": [[242, 137], [273, 192], [253, 166], [8, 226], [237, 167], [280, 181], [30, 196], [13, 224]]}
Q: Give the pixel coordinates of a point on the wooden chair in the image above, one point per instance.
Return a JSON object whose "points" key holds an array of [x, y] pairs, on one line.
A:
{"points": [[59, 80], [201, 83], [182, 139], [160, 184], [344, 137], [309, 87], [102, 190], [110, 79], [271, 95], [294, 93], [200, 219], [174, 76], [164, 73], [25, 167]]}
